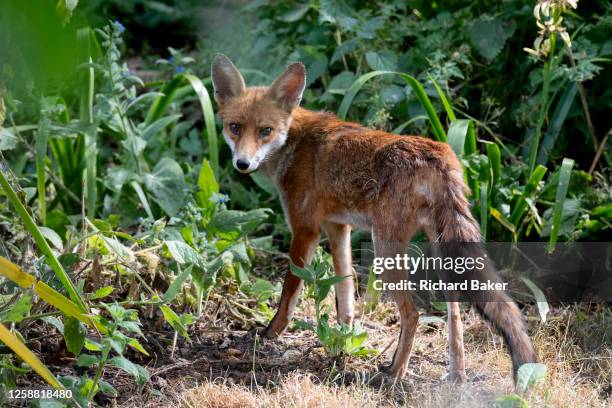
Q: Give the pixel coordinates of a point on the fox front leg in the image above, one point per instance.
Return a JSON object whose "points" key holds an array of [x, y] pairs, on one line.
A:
{"points": [[303, 245]]}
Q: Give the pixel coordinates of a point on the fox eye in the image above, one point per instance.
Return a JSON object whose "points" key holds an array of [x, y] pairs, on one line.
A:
{"points": [[235, 128], [265, 132]]}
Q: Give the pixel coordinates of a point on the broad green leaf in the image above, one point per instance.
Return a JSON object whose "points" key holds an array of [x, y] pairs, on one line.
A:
{"points": [[167, 185], [74, 335], [140, 374], [382, 60], [528, 374], [87, 360], [264, 183], [207, 185], [447, 105], [456, 135], [488, 36], [52, 237], [337, 12], [303, 273], [8, 140], [183, 253]]}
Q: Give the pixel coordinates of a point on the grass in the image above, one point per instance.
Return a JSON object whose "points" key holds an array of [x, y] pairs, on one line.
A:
{"points": [[577, 352]]}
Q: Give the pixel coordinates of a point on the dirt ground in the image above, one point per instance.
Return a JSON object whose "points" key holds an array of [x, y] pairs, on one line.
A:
{"points": [[234, 368]]}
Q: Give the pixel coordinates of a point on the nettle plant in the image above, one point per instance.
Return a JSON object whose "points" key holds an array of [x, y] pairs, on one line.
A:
{"points": [[337, 338]]}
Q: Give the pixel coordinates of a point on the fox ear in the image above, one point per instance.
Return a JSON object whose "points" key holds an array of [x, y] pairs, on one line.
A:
{"points": [[289, 87], [226, 79]]}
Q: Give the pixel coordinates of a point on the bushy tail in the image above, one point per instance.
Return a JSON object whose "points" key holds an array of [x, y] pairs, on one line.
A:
{"points": [[459, 236]]}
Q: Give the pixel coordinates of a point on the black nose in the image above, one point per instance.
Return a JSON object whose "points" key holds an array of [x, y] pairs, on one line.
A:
{"points": [[242, 164]]}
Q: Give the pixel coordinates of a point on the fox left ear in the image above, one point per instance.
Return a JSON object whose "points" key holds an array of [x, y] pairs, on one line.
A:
{"points": [[289, 87]]}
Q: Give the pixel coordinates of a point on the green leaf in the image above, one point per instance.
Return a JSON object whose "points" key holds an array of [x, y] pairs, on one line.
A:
{"points": [[494, 155], [183, 253], [484, 207], [87, 360], [174, 320], [540, 298], [18, 310], [41, 143], [295, 14], [511, 401], [488, 36], [417, 88], [565, 173], [303, 273], [135, 344], [457, 133], [8, 140], [176, 285], [529, 191], [382, 61], [528, 374], [141, 375], [74, 335], [337, 12], [53, 237], [556, 122], [167, 185], [447, 105], [102, 292], [157, 126], [207, 185], [264, 183]]}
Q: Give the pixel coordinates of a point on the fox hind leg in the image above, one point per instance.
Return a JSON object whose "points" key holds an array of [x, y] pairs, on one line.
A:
{"points": [[340, 242], [409, 316]]}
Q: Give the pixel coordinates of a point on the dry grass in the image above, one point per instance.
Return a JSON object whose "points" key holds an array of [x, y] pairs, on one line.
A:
{"points": [[576, 350]]}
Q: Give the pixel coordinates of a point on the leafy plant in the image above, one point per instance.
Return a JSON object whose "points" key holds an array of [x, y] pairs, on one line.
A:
{"points": [[339, 338]]}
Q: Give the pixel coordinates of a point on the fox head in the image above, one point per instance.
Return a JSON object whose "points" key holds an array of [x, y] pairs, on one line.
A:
{"points": [[256, 120]]}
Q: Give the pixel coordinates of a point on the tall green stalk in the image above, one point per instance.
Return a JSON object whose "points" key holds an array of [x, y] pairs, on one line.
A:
{"points": [[86, 116], [40, 240], [546, 76]]}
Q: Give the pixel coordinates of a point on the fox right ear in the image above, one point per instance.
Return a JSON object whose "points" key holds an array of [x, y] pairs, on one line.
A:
{"points": [[226, 79]]}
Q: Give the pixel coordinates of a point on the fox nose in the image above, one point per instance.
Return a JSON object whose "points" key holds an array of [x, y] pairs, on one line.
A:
{"points": [[242, 164]]}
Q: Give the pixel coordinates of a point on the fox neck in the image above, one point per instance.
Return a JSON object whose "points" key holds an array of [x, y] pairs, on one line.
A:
{"points": [[303, 122]]}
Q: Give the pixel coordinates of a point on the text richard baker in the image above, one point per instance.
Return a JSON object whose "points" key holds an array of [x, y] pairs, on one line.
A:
{"points": [[426, 284]]}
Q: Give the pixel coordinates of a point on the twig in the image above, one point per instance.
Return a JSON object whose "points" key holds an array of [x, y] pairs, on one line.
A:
{"points": [[600, 150]]}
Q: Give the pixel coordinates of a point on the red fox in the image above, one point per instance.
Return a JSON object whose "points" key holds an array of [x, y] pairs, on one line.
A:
{"points": [[335, 175]]}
